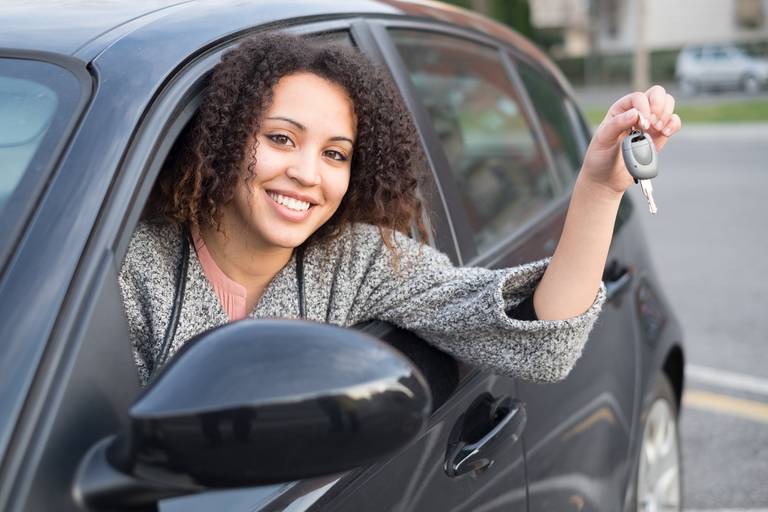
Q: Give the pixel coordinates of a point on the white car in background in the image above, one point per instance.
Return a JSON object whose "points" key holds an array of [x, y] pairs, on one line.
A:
{"points": [[720, 67]]}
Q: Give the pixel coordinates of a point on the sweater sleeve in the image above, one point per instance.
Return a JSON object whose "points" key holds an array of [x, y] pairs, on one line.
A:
{"points": [[473, 314]]}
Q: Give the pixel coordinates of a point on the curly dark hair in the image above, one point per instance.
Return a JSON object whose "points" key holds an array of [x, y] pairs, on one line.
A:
{"points": [[206, 163]]}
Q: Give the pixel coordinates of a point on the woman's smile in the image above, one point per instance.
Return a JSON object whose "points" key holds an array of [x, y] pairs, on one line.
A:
{"points": [[289, 208]]}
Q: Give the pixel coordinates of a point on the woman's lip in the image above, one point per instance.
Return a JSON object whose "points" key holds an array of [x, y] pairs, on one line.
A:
{"points": [[287, 213]]}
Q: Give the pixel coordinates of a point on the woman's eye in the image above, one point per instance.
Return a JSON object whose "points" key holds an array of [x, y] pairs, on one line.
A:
{"points": [[336, 155], [281, 139]]}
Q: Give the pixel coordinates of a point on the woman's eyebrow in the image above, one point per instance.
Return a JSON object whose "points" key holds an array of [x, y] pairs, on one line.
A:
{"points": [[296, 123], [303, 128]]}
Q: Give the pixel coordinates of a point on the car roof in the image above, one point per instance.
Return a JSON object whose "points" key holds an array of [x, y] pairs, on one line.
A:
{"points": [[65, 26], [85, 28]]}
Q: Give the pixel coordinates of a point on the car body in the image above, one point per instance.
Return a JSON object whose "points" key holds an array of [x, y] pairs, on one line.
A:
{"points": [[103, 90], [723, 66]]}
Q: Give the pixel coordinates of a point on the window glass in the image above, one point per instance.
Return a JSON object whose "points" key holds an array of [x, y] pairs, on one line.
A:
{"points": [[37, 100], [477, 115], [556, 123]]}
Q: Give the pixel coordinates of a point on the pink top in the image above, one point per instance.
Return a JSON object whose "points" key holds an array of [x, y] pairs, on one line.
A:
{"points": [[230, 293]]}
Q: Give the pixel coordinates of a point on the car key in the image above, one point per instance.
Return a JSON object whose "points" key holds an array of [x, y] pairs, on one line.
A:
{"points": [[641, 160]]}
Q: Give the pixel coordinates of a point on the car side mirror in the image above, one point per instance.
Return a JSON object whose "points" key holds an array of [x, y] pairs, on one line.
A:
{"points": [[258, 402]]}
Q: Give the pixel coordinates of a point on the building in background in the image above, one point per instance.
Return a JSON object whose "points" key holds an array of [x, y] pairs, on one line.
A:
{"points": [[598, 39]]}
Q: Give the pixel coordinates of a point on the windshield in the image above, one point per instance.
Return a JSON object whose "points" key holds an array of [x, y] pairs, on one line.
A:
{"points": [[37, 102]]}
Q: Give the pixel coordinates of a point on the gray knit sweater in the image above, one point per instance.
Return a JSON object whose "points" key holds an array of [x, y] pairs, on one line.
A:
{"points": [[461, 310]]}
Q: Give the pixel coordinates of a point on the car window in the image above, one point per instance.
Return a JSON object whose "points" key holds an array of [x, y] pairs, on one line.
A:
{"points": [[719, 53], [478, 117], [556, 122], [37, 101]]}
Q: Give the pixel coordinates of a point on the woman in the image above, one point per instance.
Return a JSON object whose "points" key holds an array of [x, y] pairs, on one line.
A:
{"points": [[301, 167]]}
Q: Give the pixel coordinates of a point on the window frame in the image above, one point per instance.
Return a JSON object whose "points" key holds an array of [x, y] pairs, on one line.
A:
{"points": [[576, 121], [169, 114]]}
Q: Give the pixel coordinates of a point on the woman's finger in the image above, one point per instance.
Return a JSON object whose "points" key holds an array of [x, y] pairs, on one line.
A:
{"points": [[673, 126], [669, 108], [636, 100], [657, 97]]}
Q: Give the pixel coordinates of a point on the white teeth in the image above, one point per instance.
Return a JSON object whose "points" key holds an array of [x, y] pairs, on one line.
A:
{"points": [[293, 204]]}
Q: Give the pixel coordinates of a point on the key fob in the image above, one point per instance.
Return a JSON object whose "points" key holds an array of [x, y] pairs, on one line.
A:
{"points": [[640, 156]]}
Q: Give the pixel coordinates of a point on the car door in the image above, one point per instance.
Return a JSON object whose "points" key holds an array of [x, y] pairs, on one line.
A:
{"points": [[578, 443], [514, 144], [502, 189]]}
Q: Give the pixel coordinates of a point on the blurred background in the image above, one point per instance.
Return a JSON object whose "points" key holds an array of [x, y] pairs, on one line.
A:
{"points": [[709, 239], [711, 53]]}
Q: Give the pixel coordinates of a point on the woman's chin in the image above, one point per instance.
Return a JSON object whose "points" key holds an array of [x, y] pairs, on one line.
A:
{"points": [[289, 238]]}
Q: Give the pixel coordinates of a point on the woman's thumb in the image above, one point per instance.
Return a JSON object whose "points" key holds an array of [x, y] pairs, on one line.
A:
{"points": [[630, 118], [619, 124]]}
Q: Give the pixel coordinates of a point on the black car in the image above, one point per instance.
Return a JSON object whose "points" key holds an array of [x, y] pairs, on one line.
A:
{"points": [[92, 97]]}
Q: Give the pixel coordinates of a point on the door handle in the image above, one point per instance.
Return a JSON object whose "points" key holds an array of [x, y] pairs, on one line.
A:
{"points": [[616, 277], [465, 454]]}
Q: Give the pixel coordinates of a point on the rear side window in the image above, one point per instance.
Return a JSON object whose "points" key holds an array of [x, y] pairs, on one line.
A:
{"points": [[556, 122], [37, 101], [487, 138]]}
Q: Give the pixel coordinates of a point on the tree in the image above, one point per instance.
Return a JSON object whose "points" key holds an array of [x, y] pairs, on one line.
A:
{"points": [[514, 13]]}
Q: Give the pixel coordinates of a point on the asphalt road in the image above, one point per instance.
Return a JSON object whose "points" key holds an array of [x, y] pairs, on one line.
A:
{"points": [[710, 245]]}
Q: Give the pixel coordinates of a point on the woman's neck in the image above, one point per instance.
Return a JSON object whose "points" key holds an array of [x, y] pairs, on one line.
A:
{"points": [[244, 261]]}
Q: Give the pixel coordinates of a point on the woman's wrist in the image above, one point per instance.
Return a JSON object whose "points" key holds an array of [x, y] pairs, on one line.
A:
{"points": [[595, 190]]}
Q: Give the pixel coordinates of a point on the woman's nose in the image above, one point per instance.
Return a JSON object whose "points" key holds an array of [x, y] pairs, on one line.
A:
{"points": [[306, 171]]}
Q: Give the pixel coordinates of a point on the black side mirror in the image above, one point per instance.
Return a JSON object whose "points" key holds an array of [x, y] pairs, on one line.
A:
{"points": [[258, 402]]}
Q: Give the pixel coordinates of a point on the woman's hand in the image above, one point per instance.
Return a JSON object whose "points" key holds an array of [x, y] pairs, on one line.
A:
{"points": [[573, 276], [603, 163]]}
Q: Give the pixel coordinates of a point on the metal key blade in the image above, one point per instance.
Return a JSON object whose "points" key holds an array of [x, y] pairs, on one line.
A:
{"points": [[647, 188]]}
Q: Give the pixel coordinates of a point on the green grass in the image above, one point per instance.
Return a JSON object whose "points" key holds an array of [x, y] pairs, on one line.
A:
{"points": [[726, 112]]}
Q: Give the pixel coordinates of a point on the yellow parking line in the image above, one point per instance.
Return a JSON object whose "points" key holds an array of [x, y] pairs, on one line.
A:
{"points": [[741, 407]]}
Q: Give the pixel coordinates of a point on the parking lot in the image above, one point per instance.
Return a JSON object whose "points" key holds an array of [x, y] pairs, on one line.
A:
{"points": [[710, 242]]}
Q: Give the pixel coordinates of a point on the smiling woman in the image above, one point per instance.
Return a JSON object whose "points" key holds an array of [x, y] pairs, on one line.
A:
{"points": [[303, 155], [290, 195], [303, 174]]}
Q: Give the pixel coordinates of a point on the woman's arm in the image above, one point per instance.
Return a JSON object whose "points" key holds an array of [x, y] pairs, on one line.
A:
{"points": [[461, 310], [572, 279]]}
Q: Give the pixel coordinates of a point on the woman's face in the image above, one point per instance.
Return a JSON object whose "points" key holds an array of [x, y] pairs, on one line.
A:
{"points": [[302, 164]]}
